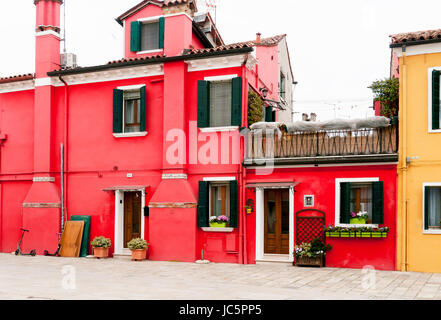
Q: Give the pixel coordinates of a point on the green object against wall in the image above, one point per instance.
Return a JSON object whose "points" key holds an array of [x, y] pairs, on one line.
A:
{"points": [[86, 232]]}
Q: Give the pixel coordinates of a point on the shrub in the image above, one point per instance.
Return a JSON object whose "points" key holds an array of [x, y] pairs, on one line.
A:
{"points": [[137, 244], [255, 107], [387, 92], [101, 242]]}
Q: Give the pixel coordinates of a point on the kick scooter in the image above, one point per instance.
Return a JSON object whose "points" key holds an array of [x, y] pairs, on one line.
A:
{"points": [[18, 251]]}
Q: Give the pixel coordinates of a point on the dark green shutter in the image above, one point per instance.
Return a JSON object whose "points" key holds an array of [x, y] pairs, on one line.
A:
{"points": [[161, 32], [135, 36], [268, 114], [435, 99], [426, 207], [274, 116], [143, 107], [378, 202], [203, 204], [118, 101], [236, 102], [345, 202], [203, 104], [233, 204]]}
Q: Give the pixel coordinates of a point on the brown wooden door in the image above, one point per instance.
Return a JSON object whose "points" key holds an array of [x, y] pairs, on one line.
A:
{"points": [[277, 221], [132, 216]]}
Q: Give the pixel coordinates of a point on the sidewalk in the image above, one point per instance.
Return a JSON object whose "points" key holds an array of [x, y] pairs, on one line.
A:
{"points": [[71, 279]]}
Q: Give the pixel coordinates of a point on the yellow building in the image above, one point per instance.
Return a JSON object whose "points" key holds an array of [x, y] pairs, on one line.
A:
{"points": [[419, 169]]}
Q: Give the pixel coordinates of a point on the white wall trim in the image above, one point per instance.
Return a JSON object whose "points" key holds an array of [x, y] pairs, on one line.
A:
{"points": [[219, 179], [41, 82], [418, 49], [221, 78], [219, 230], [134, 87], [130, 135], [219, 129], [211, 63], [150, 51], [48, 32], [324, 165], [337, 200], [428, 184], [260, 224], [17, 86], [174, 176], [119, 219], [156, 18], [429, 96]]}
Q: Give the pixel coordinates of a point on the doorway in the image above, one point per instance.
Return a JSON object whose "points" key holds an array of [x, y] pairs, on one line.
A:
{"points": [[132, 216], [277, 221]]}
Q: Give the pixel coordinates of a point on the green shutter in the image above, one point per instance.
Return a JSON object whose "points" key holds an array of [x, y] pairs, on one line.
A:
{"points": [[435, 99], [378, 202], [236, 101], [203, 104], [203, 204], [143, 107], [274, 116], [426, 207], [345, 202], [135, 36], [233, 204], [118, 101], [161, 32], [269, 114]]}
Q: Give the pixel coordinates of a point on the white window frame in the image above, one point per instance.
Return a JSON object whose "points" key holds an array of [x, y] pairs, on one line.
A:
{"points": [[429, 95], [304, 201], [147, 21], [337, 200], [428, 184]]}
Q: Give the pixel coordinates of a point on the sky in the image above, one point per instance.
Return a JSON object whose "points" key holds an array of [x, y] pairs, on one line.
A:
{"points": [[337, 48]]}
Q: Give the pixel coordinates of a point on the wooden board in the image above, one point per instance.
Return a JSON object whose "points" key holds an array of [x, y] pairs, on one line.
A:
{"points": [[71, 239]]}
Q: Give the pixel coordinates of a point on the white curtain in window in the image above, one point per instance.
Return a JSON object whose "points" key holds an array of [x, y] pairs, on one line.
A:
{"points": [[434, 206], [220, 104], [150, 36]]}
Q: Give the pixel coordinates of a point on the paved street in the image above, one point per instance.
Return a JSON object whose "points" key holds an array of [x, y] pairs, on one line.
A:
{"points": [[70, 279]]}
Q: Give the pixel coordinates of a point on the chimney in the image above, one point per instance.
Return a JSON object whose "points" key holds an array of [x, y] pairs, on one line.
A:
{"points": [[313, 117], [258, 37], [47, 49]]}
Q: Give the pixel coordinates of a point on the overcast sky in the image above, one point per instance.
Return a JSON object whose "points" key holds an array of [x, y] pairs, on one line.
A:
{"points": [[337, 47]]}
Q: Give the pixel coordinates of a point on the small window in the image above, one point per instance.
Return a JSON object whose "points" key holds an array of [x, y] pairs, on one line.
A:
{"points": [[282, 85], [432, 209], [150, 36], [219, 200], [435, 122], [361, 201], [220, 104], [132, 111]]}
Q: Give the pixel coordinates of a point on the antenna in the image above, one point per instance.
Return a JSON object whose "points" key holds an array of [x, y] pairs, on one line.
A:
{"points": [[64, 26]]}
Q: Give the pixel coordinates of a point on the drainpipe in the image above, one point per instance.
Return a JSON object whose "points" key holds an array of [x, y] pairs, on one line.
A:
{"points": [[64, 155], [404, 167]]}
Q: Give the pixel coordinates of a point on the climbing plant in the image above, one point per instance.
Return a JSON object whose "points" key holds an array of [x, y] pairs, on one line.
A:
{"points": [[387, 92], [255, 107]]}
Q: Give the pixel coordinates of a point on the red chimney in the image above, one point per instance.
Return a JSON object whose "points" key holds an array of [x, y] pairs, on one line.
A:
{"points": [[258, 37]]}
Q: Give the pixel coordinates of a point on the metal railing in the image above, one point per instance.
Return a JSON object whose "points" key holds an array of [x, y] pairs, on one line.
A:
{"points": [[270, 145]]}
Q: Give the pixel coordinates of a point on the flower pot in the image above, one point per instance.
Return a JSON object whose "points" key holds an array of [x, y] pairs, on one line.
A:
{"points": [[366, 234], [335, 234], [100, 252], [344, 234], [384, 234], [309, 262], [351, 234], [357, 221], [328, 234], [139, 254], [376, 235], [218, 225]]}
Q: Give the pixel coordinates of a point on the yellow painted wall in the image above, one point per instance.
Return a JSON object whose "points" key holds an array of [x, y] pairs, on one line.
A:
{"points": [[422, 252]]}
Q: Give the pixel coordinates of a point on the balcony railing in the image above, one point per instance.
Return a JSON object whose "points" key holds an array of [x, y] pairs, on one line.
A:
{"points": [[363, 145]]}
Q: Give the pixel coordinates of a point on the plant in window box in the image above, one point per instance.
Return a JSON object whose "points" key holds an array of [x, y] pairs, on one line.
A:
{"points": [[352, 232], [335, 232], [384, 231], [366, 232], [311, 254], [344, 233], [359, 218], [327, 230], [101, 247], [139, 248], [219, 222]]}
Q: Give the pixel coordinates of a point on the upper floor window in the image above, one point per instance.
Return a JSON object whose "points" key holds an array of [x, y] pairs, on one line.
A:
{"points": [[220, 103], [129, 110], [432, 208], [147, 35], [282, 86], [434, 109]]}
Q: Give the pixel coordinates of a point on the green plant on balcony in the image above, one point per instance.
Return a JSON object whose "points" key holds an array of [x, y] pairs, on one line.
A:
{"points": [[387, 92], [255, 107]]}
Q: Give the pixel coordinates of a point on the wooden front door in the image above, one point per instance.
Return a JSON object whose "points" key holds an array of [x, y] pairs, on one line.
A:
{"points": [[132, 216], [277, 221]]}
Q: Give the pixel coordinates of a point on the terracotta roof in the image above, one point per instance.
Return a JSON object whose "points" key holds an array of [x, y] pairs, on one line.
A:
{"points": [[427, 35], [22, 77], [160, 3], [136, 59], [267, 42]]}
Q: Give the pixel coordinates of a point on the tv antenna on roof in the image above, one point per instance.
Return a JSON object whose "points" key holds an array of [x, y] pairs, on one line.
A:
{"points": [[64, 26]]}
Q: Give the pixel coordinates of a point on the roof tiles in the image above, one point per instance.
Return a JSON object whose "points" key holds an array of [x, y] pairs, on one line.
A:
{"points": [[401, 38]]}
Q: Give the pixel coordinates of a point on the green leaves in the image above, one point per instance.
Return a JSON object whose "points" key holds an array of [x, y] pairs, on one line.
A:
{"points": [[255, 107], [387, 92]]}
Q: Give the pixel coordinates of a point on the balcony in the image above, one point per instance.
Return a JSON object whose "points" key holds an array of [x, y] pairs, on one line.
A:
{"points": [[322, 147]]}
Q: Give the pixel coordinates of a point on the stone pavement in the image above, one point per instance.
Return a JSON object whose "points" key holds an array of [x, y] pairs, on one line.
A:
{"points": [[119, 279]]}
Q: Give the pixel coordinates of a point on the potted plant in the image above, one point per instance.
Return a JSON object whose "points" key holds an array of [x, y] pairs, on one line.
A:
{"points": [[101, 247], [366, 232], [248, 209], [335, 232], [327, 231], [376, 233], [384, 231], [219, 222], [311, 254], [138, 247], [359, 218], [344, 233]]}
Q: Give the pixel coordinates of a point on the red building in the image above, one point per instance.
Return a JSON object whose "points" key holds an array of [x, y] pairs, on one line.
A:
{"points": [[150, 146]]}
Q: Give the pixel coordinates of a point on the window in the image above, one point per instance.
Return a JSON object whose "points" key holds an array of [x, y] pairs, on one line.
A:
{"points": [[129, 110], [220, 103], [147, 36], [282, 85], [435, 114], [360, 202], [217, 199], [432, 208]]}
